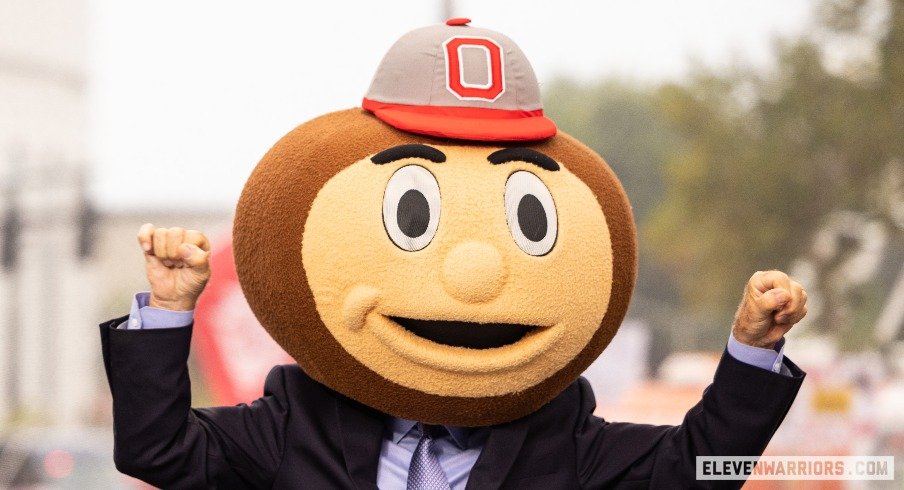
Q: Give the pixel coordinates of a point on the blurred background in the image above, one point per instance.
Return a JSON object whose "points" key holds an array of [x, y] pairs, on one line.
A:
{"points": [[749, 135]]}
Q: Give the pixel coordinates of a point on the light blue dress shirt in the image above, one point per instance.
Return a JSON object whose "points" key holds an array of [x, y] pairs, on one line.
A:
{"points": [[458, 450]]}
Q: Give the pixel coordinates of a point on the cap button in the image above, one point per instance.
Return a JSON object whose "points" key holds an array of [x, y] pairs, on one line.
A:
{"points": [[458, 21]]}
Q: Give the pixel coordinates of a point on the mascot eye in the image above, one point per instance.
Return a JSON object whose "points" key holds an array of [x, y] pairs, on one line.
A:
{"points": [[411, 207], [531, 213]]}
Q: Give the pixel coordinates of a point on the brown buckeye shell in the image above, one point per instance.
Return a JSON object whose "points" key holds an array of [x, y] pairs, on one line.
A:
{"points": [[267, 236]]}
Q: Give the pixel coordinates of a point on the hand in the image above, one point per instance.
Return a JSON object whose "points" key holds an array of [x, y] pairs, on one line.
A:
{"points": [[772, 304], [177, 265]]}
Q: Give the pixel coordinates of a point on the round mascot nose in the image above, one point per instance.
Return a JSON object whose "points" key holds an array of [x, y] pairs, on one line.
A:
{"points": [[473, 272]]}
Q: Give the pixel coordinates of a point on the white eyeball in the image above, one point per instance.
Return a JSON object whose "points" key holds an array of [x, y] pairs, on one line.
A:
{"points": [[531, 213], [411, 205]]}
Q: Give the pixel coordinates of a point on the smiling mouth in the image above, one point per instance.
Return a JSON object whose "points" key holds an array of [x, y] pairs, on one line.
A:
{"points": [[465, 334]]}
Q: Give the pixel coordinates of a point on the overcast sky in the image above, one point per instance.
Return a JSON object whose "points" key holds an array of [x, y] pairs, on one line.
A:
{"points": [[187, 96]]}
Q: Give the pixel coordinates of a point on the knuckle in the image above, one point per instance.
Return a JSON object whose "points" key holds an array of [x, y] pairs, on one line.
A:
{"points": [[194, 236], [775, 276]]}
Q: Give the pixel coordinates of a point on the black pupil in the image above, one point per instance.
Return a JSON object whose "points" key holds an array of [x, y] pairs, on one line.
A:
{"points": [[532, 218], [413, 213]]}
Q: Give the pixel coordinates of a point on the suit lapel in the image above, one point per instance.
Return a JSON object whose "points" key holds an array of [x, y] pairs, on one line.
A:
{"points": [[362, 434], [499, 453]]}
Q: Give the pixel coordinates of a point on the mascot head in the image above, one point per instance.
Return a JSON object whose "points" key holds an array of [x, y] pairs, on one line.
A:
{"points": [[442, 254]]}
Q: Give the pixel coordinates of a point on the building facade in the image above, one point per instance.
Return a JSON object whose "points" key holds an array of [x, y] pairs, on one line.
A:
{"points": [[46, 281]]}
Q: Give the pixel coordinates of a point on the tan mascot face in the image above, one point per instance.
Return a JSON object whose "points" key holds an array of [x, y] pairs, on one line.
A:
{"points": [[447, 281]]}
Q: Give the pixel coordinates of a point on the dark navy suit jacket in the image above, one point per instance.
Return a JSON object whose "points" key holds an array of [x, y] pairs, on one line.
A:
{"points": [[301, 434]]}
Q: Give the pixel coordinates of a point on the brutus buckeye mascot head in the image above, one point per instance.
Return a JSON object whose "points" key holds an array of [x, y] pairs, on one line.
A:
{"points": [[441, 254]]}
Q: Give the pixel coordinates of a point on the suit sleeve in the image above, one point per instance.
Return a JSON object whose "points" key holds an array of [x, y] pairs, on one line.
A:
{"points": [[737, 416], [160, 439]]}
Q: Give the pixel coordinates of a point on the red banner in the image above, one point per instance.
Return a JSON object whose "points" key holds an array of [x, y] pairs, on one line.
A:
{"points": [[234, 351]]}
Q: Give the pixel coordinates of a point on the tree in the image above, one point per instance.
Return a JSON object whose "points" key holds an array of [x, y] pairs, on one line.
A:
{"points": [[766, 160], [799, 168]]}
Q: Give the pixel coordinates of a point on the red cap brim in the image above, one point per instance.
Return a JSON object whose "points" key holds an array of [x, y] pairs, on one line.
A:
{"points": [[466, 123]]}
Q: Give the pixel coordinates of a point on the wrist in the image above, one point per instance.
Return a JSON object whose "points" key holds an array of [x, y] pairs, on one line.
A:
{"points": [[763, 342], [171, 304]]}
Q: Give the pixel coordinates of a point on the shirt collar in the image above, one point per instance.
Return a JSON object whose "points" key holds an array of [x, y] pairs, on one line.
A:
{"points": [[402, 427]]}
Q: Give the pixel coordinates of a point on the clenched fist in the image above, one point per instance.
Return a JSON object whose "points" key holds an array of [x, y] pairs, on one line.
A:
{"points": [[772, 304], [177, 265]]}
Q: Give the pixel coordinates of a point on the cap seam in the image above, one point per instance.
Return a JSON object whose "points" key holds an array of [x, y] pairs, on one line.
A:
{"points": [[436, 59]]}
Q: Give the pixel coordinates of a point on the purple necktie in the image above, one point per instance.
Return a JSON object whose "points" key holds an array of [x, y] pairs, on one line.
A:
{"points": [[425, 473]]}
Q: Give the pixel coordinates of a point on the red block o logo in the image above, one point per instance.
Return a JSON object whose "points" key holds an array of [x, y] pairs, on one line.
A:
{"points": [[455, 69]]}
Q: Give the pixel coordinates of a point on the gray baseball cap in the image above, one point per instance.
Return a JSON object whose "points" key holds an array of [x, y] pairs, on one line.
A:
{"points": [[456, 81]]}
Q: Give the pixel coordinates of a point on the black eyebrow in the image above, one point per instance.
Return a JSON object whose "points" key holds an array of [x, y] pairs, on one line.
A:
{"points": [[521, 154], [409, 151]]}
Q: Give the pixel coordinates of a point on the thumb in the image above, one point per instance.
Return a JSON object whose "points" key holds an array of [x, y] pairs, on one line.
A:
{"points": [[773, 300], [193, 256]]}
